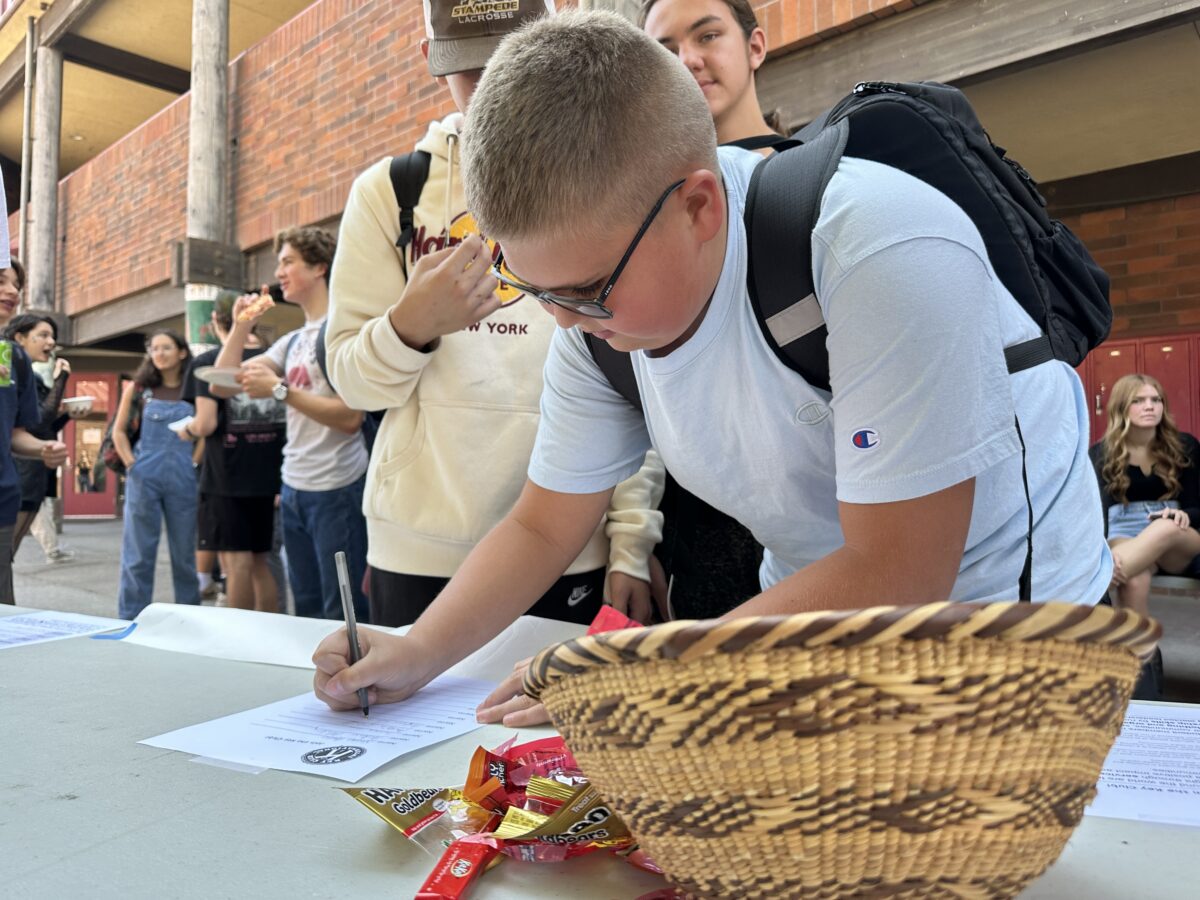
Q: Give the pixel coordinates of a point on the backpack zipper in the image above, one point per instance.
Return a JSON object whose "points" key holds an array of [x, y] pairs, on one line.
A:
{"points": [[878, 87]]}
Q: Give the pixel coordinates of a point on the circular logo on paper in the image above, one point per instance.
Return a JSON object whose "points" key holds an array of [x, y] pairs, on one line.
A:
{"points": [[865, 439], [327, 756]]}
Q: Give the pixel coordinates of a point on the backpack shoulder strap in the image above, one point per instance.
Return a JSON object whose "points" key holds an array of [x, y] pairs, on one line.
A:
{"points": [[617, 368], [408, 173], [758, 142], [320, 351], [782, 206]]}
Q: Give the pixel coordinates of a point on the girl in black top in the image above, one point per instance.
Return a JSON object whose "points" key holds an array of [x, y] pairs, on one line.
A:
{"points": [[37, 336], [1149, 473]]}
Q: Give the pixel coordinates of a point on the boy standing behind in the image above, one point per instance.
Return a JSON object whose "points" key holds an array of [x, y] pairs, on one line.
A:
{"points": [[325, 458], [239, 476], [423, 333]]}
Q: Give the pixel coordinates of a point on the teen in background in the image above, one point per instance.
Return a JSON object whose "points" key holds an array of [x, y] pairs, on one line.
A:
{"points": [[18, 413], [37, 336], [722, 45], [160, 480], [1149, 473]]}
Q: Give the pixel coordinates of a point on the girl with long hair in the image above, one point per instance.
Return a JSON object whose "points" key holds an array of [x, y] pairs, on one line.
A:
{"points": [[38, 336], [160, 481], [722, 45], [1149, 473]]}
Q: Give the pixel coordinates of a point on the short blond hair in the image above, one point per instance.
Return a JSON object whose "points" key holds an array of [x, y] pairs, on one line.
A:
{"points": [[580, 121]]}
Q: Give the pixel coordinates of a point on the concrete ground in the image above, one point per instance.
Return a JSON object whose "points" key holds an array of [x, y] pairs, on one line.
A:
{"points": [[88, 584]]}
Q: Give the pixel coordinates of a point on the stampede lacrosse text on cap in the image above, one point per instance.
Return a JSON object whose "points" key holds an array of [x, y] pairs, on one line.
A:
{"points": [[462, 35]]}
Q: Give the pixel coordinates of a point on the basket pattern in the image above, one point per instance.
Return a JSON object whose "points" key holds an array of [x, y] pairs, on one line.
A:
{"points": [[936, 751]]}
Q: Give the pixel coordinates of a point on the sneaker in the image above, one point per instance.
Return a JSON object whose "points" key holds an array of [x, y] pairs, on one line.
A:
{"points": [[60, 556], [211, 592]]}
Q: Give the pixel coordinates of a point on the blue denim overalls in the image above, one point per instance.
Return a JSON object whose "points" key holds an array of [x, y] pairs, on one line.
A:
{"points": [[161, 483]]}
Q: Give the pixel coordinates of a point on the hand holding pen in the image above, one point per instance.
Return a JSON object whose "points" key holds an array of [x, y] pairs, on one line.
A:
{"points": [[343, 575]]}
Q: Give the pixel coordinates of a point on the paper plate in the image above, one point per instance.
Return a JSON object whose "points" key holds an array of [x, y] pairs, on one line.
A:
{"points": [[226, 378], [179, 424], [84, 403]]}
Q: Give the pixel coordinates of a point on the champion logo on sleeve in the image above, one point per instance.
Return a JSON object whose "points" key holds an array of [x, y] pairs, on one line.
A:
{"points": [[865, 439]]}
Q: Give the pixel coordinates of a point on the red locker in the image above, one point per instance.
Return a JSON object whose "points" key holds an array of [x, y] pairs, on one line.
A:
{"points": [[1174, 360], [1170, 361], [1108, 362]]}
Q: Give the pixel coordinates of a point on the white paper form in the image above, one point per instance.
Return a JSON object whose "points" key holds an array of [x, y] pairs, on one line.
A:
{"points": [[38, 627], [1152, 773], [302, 734]]}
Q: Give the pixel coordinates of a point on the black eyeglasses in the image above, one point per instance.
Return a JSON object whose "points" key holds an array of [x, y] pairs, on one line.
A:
{"points": [[594, 308]]}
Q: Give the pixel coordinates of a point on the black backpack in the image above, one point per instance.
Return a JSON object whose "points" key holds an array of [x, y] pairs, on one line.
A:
{"points": [[408, 173], [930, 131]]}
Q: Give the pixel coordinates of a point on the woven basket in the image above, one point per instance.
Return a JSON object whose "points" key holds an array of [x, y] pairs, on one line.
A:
{"points": [[939, 751]]}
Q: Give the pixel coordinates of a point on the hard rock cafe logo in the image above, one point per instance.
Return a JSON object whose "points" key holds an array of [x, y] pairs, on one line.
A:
{"points": [[462, 225]]}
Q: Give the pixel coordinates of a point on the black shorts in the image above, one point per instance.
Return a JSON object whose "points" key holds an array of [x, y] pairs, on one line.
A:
{"points": [[398, 599], [235, 524]]}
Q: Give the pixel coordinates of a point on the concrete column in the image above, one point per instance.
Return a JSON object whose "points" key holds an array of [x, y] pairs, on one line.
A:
{"points": [[27, 134], [43, 213], [208, 149]]}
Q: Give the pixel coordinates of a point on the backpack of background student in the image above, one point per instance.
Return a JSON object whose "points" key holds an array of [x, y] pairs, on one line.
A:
{"points": [[408, 173], [931, 132]]}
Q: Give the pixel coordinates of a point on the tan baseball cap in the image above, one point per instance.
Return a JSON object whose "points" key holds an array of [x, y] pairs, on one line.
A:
{"points": [[463, 33]]}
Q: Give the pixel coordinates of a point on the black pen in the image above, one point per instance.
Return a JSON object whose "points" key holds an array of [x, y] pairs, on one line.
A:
{"points": [[343, 575]]}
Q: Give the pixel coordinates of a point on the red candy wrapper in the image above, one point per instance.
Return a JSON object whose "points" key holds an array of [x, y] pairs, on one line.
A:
{"points": [[608, 619], [546, 758], [463, 862]]}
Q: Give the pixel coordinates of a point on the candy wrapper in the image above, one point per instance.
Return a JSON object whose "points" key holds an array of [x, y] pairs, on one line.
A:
{"points": [[431, 818], [462, 863], [526, 801]]}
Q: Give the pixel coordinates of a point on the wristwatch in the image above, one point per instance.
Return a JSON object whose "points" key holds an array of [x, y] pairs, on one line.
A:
{"points": [[280, 392]]}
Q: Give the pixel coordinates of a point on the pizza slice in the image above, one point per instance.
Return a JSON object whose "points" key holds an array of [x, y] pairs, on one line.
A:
{"points": [[256, 308]]}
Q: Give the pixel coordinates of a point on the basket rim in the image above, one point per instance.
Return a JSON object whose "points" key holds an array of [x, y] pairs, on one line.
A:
{"points": [[688, 639]]}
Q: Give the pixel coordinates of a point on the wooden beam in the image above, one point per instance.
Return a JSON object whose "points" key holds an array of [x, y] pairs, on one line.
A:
{"points": [[210, 262], [56, 22], [136, 312], [955, 41], [1175, 176], [103, 58]]}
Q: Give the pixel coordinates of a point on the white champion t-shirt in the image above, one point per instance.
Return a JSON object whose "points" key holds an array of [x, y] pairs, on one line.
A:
{"points": [[921, 401]]}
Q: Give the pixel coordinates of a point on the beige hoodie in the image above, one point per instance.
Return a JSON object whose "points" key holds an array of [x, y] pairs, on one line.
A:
{"points": [[452, 451]]}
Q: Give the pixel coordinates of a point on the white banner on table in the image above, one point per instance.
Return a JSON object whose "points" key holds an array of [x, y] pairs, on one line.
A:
{"points": [[249, 636], [302, 734], [1152, 773], [42, 626]]}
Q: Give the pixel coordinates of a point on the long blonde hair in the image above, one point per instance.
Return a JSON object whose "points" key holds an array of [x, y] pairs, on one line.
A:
{"points": [[1166, 447]]}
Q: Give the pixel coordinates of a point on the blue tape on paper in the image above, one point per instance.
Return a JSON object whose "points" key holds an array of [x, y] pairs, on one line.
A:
{"points": [[115, 635]]}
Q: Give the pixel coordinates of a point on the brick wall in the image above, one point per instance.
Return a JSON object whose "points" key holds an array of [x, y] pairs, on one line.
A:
{"points": [[790, 24], [119, 213], [313, 104], [318, 101], [335, 89], [1152, 253]]}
